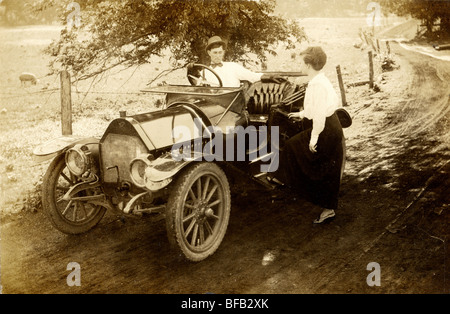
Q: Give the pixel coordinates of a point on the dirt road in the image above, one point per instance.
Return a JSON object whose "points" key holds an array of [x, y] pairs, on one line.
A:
{"points": [[394, 211]]}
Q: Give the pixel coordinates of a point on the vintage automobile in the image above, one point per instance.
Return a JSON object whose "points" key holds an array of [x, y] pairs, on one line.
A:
{"points": [[163, 161]]}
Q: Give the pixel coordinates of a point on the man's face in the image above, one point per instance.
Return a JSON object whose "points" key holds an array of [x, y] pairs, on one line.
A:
{"points": [[216, 54]]}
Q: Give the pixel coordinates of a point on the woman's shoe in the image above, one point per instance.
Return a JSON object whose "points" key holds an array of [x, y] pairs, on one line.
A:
{"points": [[273, 180], [327, 215]]}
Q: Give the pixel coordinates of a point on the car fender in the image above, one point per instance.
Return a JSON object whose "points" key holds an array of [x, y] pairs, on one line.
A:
{"points": [[162, 171], [54, 147]]}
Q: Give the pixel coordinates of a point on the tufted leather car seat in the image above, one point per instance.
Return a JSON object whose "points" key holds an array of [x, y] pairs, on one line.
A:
{"points": [[262, 96]]}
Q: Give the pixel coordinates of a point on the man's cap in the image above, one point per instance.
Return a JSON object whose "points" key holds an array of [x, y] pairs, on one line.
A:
{"points": [[215, 40]]}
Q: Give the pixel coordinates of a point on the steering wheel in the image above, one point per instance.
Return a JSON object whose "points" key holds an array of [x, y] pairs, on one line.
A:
{"points": [[195, 78]]}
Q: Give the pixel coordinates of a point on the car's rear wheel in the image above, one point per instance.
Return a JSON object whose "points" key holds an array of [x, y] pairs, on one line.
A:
{"points": [[198, 210], [69, 216]]}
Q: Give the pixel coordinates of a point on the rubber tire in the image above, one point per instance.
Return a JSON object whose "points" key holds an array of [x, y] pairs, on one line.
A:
{"points": [[176, 204], [49, 202]]}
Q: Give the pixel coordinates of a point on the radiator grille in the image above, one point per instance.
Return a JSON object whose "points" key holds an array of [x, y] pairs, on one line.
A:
{"points": [[117, 151]]}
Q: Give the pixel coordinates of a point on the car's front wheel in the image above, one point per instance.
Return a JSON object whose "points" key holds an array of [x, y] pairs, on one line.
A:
{"points": [[198, 210], [69, 216]]}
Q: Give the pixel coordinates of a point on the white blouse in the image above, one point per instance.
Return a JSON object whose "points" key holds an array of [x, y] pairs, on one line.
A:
{"points": [[321, 101]]}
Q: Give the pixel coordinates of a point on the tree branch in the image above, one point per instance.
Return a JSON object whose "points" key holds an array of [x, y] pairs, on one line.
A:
{"points": [[166, 72]]}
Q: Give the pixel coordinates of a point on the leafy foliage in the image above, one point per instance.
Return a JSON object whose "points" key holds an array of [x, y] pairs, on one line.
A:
{"points": [[129, 32], [430, 11]]}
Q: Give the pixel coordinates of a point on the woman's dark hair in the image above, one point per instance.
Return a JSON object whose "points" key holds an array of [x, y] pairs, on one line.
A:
{"points": [[315, 56]]}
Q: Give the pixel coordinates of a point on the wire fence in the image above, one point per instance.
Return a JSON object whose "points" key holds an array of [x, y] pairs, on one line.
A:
{"points": [[75, 90], [11, 95]]}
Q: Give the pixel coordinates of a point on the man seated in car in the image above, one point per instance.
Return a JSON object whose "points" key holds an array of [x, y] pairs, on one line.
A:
{"points": [[230, 73]]}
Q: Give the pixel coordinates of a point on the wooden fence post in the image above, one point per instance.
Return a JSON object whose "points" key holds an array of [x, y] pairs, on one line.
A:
{"points": [[341, 85], [66, 103], [370, 70]]}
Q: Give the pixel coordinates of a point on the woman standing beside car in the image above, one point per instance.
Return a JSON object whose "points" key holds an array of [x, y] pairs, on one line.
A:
{"points": [[311, 160]]}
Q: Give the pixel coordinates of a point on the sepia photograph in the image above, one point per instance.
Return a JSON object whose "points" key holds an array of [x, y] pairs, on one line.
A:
{"points": [[224, 154]]}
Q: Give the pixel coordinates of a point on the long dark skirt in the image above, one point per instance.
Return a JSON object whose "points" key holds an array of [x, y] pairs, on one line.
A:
{"points": [[314, 176]]}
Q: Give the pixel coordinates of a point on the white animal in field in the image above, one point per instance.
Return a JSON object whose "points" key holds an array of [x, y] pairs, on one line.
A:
{"points": [[26, 77]]}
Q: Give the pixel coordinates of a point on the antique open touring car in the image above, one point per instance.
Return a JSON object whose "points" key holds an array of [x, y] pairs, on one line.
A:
{"points": [[173, 161]]}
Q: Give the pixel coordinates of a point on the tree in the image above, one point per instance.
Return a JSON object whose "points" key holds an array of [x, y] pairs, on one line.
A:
{"points": [[429, 11], [130, 32]]}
